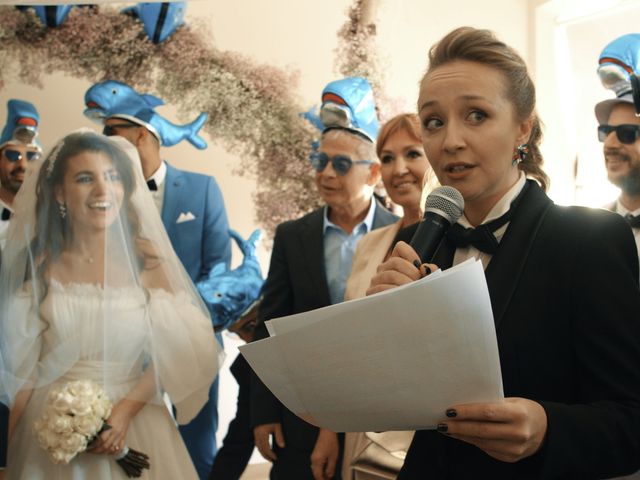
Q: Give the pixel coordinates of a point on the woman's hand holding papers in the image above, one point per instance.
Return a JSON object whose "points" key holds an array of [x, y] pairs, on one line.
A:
{"points": [[402, 267], [508, 431]]}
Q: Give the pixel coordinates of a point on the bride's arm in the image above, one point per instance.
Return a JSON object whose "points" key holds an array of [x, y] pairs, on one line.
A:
{"points": [[15, 412], [113, 440]]}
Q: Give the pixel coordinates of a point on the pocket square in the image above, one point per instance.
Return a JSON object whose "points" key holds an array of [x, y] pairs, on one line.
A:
{"points": [[185, 217]]}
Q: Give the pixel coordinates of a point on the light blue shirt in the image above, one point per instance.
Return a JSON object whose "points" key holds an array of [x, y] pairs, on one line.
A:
{"points": [[339, 247]]}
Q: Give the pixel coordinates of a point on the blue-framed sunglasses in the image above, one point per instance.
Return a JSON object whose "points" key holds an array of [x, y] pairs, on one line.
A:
{"points": [[16, 155], [626, 133], [340, 163]]}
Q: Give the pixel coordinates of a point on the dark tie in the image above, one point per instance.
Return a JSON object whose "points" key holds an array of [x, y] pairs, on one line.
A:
{"points": [[6, 214], [482, 236], [634, 222], [153, 186]]}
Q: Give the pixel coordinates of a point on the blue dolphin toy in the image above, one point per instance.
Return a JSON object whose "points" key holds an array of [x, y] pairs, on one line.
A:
{"points": [[160, 20], [113, 99], [618, 61], [22, 124], [231, 293], [348, 103], [50, 15]]}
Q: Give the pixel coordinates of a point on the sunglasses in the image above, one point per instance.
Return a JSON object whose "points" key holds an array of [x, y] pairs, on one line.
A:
{"points": [[626, 133], [340, 163], [15, 155], [110, 130]]}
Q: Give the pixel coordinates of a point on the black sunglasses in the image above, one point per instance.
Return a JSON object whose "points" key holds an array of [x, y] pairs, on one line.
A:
{"points": [[626, 133], [340, 163], [15, 155], [110, 130]]}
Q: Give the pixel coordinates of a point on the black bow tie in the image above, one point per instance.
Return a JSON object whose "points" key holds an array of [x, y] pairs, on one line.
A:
{"points": [[6, 214], [634, 222], [153, 186], [482, 236]]}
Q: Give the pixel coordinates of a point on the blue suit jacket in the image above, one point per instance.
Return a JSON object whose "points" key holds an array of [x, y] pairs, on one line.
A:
{"points": [[202, 242]]}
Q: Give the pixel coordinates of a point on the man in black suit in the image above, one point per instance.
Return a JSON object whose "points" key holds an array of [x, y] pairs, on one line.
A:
{"points": [[619, 130], [310, 263]]}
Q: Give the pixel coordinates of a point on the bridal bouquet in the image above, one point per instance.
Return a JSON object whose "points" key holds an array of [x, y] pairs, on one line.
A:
{"points": [[72, 417]]}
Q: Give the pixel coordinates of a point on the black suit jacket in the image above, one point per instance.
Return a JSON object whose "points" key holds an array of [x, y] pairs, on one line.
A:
{"points": [[296, 283], [565, 298]]}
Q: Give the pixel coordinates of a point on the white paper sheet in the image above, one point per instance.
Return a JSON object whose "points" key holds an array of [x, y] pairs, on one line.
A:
{"points": [[392, 361]]}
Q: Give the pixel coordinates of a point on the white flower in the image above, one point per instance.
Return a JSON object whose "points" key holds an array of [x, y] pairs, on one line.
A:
{"points": [[61, 401], [74, 443], [61, 457], [48, 439], [60, 424], [87, 425], [80, 406], [102, 408], [84, 389]]}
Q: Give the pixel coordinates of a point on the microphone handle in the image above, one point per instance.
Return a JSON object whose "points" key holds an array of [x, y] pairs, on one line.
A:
{"points": [[428, 236]]}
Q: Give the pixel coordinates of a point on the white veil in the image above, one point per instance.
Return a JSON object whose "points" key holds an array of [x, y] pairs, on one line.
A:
{"points": [[90, 287]]}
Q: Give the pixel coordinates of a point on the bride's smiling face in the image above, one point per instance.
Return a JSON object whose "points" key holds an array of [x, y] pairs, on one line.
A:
{"points": [[91, 190]]}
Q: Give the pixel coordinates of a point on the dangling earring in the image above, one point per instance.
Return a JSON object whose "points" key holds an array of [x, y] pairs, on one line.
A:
{"points": [[62, 208], [519, 154]]}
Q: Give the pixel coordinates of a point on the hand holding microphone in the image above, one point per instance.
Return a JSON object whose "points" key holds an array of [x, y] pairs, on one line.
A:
{"points": [[408, 262]]}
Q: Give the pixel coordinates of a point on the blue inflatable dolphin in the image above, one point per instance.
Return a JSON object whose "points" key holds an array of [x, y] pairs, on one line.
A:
{"points": [[231, 293], [22, 124], [618, 61], [113, 99], [348, 103], [160, 20], [50, 15]]}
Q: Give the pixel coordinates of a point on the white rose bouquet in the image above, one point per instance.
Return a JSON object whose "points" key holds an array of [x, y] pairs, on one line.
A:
{"points": [[73, 416]]}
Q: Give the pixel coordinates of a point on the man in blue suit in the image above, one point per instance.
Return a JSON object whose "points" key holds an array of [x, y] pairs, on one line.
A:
{"points": [[193, 212]]}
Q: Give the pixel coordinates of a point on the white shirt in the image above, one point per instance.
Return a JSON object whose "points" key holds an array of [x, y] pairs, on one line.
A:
{"points": [[158, 176], [622, 210], [4, 225], [497, 211], [339, 247]]}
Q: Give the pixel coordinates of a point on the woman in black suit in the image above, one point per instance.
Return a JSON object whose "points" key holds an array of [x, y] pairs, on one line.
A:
{"points": [[562, 281]]}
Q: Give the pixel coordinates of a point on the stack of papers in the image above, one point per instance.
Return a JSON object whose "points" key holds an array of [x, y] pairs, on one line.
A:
{"points": [[391, 361]]}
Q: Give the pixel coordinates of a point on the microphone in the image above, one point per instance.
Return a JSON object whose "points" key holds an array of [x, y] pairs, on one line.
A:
{"points": [[443, 208]]}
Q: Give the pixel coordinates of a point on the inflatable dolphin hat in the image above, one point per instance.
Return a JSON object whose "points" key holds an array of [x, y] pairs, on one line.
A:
{"points": [[349, 104], [160, 20], [618, 65], [22, 124], [618, 60], [112, 99]]}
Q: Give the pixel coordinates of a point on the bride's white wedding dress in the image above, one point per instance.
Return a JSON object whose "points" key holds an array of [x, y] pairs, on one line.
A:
{"points": [[80, 334]]}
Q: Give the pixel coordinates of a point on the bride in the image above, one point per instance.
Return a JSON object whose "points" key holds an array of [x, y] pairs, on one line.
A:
{"points": [[91, 289]]}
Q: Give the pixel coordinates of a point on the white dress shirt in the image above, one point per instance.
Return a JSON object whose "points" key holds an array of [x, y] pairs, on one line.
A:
{"points": [[497, 211], [158, 176]]}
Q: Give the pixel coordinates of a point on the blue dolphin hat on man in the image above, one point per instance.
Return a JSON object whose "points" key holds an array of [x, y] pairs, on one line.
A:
{"points": [[22, 124], [348, 104], [113, 99]]}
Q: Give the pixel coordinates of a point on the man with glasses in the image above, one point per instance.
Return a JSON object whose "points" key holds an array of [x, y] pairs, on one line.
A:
{"points": [[310, 263], [18, 147], [619, 129], [192, 211]]}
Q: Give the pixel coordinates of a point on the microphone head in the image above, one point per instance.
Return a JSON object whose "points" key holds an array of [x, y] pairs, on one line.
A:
{"points": [[445, 201]]}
